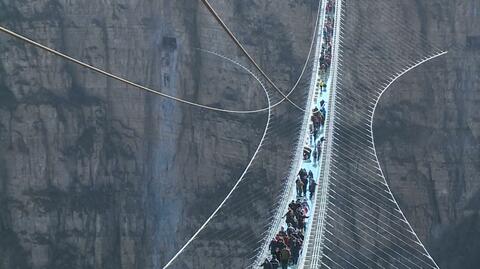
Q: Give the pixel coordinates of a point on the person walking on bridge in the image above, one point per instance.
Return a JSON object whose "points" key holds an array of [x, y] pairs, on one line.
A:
{"points": [[295, 251], [299, 184], [266, 264], [285, 257], [312, 187], [274, 262], [290, 218], [304, 187]]}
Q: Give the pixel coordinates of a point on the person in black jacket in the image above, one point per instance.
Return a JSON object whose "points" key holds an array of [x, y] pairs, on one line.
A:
{"points": [[305, 183], [295, 251], [272, 246], [266, 264], [274, 262], [312, 187], [299, 184]]}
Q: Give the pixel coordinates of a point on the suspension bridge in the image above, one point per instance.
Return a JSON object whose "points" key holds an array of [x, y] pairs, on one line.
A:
{"points": [[354, 219], [357, 222]]}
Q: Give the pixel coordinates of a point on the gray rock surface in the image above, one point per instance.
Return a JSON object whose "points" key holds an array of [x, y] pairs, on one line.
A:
{"points": [[95, 174], [427, 133]]}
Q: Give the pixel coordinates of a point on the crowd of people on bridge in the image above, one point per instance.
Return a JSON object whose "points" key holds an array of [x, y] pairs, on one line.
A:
{"points": [[326, 53], [286, 247], [305, 181], [317, 119], [317, 122]]}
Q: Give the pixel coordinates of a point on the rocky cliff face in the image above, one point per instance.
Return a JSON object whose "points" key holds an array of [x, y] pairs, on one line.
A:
{"points": [[95, 174], [428, 134]]}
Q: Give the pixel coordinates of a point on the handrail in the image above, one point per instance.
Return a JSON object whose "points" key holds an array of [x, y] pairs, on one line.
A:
{"points": [[320, 206], [298, 157]]}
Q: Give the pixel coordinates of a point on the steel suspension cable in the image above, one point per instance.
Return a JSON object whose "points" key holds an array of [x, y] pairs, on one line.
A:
{"points": [[242, 48], [150, 90], [126, 81], [214, 213]]}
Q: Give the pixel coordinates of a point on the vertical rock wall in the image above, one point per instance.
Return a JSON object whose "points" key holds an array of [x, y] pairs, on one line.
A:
{"points": [[427, 133], [95, 174]]}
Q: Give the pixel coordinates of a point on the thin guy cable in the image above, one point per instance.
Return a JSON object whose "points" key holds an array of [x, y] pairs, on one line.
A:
{"points": [[351, 265], [384, 202], [349, 100], [110, 75], [341, 131], [373, 140], [367, 50], [365, 152], [426, 59], [341, 185], [375, 239], [317, 39], [360, 120], [354, 127], [363, 116], [365, 176], [367, 167], [237, 42], [406, 31], [177, 254], [353, 122], [364, 161], [136, 85], [368, 78], [382, 192], [381, 235], [143, 88], [362, 99], [351, 133], [346, 252], [314, 252], [330, 259], [361, 209], [366, 199], [350, 149]]}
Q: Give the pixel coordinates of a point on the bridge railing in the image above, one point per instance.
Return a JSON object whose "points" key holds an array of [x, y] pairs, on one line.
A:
{"points": [[311, 254], [297, 160]]}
